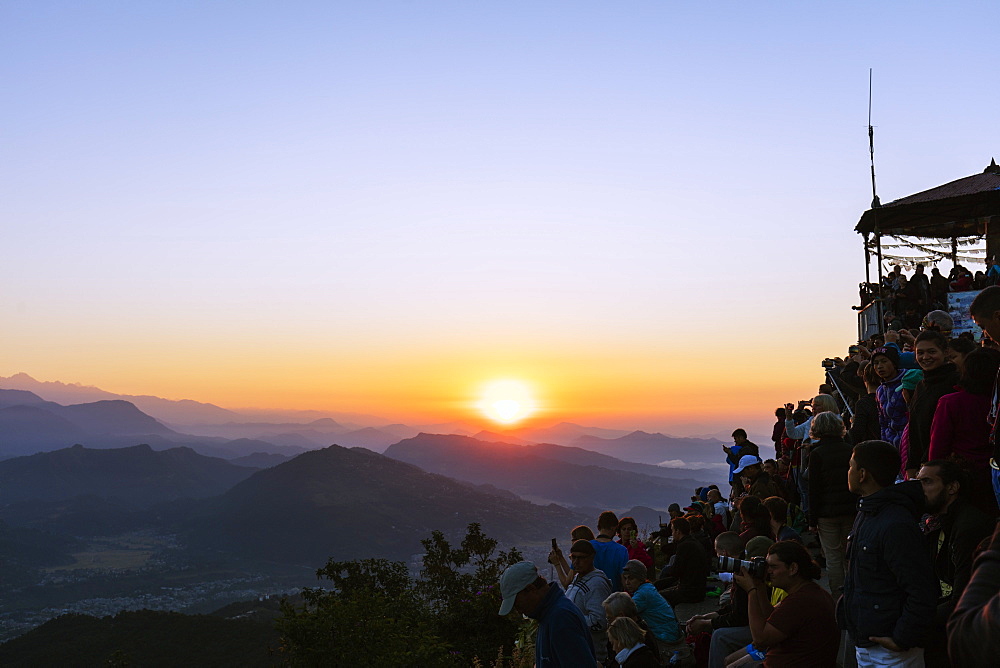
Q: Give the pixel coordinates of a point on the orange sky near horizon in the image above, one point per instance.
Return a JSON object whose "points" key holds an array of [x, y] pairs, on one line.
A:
{"points": [[651, 387]]}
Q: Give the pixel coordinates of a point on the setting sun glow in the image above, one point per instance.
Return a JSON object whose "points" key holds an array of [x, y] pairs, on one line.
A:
{"points": [[507, 401]]}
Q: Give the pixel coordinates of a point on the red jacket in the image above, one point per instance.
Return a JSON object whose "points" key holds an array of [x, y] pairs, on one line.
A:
{"points": [[960, 427]]}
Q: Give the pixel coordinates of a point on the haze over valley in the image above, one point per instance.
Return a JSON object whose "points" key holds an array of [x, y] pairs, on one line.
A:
{"points": [[112, 502]]}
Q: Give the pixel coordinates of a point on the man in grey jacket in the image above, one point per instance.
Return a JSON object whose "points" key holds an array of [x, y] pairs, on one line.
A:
{"points": [[587, 590]]}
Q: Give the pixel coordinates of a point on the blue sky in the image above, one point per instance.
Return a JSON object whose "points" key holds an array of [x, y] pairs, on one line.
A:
{"points": [[655, 194]]}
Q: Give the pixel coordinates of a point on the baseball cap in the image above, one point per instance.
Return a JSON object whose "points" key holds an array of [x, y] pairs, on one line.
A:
{"points": [[745, 461], [513, 581]]}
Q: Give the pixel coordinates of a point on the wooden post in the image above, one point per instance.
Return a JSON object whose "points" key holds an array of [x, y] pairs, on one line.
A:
{"points": [[992, 232]]}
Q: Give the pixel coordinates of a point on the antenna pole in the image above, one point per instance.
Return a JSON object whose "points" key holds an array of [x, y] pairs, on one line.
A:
{"points": [[876, 205]]}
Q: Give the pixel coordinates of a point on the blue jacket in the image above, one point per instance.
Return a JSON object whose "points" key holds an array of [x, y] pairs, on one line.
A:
{"points": [[657, 613], [892, 412], [563, 637], [890, 588]]}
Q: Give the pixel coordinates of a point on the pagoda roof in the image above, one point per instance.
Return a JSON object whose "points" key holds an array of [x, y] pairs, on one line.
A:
{"points": [[955, 209]]}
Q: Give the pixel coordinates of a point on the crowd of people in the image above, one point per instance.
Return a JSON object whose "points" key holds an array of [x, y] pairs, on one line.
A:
{"points": [[886, 481], [909, 296]]}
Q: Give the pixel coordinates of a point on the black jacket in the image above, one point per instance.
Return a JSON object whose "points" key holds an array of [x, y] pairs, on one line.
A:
{"points": [[828, 493], [936, 383], [974, 629], [890, 588], [864, 425], [951, 547], [691, 565]]}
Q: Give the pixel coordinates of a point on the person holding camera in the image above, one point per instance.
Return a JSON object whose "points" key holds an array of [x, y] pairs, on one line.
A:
{"points": [[730, 626], [802, 631], [820, 404], [742, 447]]}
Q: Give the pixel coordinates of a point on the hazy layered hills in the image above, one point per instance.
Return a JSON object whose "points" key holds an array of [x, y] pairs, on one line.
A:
{"points": [[352, 503], [138, 475], [182, 411], [30, 424], [334, 502], [544, 473], [640, 446], [563, 433]]}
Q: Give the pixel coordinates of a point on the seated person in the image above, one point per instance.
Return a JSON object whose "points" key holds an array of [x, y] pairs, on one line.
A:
{"points": [[652, 607], [755, 519], [627, 642], [722, 517], [730, 626], [628, 534], [699, 530], [803, 630], [777, 507], [620, 604], [683, 579]]}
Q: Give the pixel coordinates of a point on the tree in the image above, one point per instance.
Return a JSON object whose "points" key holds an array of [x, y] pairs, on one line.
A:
{"points": [[462, 585], [376, 614], [372, 616]]}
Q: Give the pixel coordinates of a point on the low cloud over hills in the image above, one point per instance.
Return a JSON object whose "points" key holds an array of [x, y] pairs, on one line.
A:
{"points": [[640, 446]]}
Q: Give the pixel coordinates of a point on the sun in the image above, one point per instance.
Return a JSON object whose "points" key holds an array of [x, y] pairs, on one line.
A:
{"points": [[507, 401]]}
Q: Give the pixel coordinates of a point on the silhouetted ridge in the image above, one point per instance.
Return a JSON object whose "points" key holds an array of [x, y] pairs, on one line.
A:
{"points": [[136, 474], [113, 416], [348, 504], [540, 473]]}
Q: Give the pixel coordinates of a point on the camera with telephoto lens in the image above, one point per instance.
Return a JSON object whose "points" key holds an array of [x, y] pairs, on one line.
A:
{"points": [[755, 567], [829, 363]]}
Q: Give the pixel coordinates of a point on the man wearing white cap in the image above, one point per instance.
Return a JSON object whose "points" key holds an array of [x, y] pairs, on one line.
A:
{"points": [[563, 637], [757, 482]]}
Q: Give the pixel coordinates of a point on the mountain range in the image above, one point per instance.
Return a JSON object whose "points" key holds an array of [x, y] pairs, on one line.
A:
{"points": [[137, 476], [646, 448], [349, 503], [544, 473]]}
